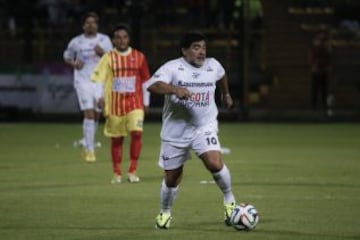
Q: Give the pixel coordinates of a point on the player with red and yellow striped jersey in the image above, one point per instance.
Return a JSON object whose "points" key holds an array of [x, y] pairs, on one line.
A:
{"points": [[122, 72]]}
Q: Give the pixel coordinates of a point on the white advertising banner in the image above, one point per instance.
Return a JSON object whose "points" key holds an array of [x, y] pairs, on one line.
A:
{"points": [[43, 93]]}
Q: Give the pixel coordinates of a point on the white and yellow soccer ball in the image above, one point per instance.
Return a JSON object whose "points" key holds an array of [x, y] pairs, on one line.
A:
{"points": [[244, 217]]}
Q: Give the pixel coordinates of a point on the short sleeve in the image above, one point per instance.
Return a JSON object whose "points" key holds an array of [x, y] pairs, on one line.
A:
{"points": [[163, 74], [144, 69], [219, 69], [70, 51], [107, 45]]}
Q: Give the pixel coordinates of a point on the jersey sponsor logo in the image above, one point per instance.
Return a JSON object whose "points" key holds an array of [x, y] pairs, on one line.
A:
{"points": [[197, 100], [87, 55], [195, 84], [124, 84], [181, 68], [200, 99], [209, 69], [195, 75]]}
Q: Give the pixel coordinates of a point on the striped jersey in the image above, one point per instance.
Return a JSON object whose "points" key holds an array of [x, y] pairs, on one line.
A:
{"points": [[123, 75]]}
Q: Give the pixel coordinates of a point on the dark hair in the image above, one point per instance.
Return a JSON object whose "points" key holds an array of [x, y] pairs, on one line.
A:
{"points": [[90, 14], [190, 38], [120, 26]]}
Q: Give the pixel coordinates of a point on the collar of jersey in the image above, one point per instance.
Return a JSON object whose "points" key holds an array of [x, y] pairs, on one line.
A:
{"points": [[127, 52], [84, 36], [193, 67]]}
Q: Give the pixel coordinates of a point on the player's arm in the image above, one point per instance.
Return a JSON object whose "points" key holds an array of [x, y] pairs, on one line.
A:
{"points": [[104, 48], [99, 50], [70, 56], [164, 88], [160, 83], [146, 98], [145, 76], [225, 92]]}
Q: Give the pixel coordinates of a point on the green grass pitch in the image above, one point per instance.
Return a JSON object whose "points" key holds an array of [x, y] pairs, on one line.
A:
{"points": [[304, 179]]}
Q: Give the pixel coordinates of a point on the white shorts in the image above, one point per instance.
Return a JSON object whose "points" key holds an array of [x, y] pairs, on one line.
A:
{"points": [[86, 96], [173, 154]]}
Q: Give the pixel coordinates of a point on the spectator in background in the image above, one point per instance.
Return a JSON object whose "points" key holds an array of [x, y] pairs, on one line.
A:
{"points": [[7, 17], [55, 10], [320, 56]]}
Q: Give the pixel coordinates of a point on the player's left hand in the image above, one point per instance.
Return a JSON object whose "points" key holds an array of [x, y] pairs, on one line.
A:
{"points": [[98, 50], [227, 101]]}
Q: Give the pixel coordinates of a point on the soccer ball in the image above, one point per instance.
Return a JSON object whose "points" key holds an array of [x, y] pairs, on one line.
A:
{"points": [[244, 217]]}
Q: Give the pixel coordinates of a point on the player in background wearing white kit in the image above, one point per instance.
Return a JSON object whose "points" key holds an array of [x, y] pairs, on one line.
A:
{"points": [[190, 121], [83, 53]]}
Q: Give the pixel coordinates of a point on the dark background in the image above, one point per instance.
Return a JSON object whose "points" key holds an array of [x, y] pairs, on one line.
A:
{"points": [[263, 45]]}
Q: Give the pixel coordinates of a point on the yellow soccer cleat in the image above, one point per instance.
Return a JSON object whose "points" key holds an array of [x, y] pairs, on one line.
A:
{"points": [[163, 221], [89, 156], [228, 208]]}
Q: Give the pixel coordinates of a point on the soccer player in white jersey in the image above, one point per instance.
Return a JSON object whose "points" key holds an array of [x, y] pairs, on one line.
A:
{"points": [[83, 53], [190, 121]]}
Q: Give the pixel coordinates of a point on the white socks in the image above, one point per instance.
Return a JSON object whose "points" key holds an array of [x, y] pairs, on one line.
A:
{"points": [[96, 126], [82, 141], [167, 197], [223, 180], [89, 133]]}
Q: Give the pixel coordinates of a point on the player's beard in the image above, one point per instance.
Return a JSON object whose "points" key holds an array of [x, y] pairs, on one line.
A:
{"points": [[197, 62]]}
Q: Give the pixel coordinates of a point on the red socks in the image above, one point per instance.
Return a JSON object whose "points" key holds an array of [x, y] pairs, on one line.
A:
{"points": [[135, 149], [116, 154]]}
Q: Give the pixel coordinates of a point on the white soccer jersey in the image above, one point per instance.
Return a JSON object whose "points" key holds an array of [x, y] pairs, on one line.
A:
{"points": [[82, 47], [181, 118]]}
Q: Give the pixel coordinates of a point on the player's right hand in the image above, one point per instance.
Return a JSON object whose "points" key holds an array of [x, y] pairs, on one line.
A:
{"points": [[101, 103], [227, 100], [182, 93], [78, 64], [98, 50]]}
